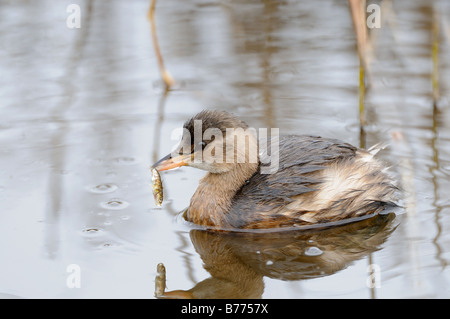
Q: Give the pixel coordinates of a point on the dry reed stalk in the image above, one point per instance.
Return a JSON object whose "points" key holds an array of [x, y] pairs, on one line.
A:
{"points": [[358, 13], [165, 75], [435, 58]]}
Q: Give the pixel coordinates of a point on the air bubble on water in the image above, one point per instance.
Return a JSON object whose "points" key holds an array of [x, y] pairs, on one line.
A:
{"points": [[107, 245], [103, 188], [92, 231], [313, 251], [115, 204]]}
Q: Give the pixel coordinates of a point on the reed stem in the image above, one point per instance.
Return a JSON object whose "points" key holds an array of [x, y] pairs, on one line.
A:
{"points": [[165, 75], [435, 58]]}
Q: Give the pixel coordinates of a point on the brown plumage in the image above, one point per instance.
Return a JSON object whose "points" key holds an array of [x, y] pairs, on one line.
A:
{"points": [[318, 180]]}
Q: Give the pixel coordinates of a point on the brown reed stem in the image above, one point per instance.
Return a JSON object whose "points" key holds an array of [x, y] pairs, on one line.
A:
{"points": [[165, 75], [435, 58]]}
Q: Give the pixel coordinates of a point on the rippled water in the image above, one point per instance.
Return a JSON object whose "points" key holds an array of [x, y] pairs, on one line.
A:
{"points": [[83, 115]]}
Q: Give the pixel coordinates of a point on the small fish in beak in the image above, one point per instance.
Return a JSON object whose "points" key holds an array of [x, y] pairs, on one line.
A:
{"points": [[157, 187]]}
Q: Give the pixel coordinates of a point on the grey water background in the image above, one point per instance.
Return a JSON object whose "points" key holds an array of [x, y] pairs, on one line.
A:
{"points": [[83, 114]]}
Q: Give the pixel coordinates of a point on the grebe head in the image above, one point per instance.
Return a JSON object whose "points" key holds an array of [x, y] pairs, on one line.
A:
{"points": [[215, 141]]}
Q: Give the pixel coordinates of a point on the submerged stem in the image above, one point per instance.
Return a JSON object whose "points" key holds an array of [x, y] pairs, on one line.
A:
{"points": [[362, 116]]}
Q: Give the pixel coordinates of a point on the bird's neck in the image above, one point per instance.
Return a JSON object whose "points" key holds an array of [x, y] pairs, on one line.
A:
{"points": [[213, 198]]}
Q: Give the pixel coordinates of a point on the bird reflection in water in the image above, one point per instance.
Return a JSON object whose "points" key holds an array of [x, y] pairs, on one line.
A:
{"points": [[238, 261]]}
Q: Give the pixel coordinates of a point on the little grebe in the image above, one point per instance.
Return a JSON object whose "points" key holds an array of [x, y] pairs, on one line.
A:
{"points": [[318, 180]]}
